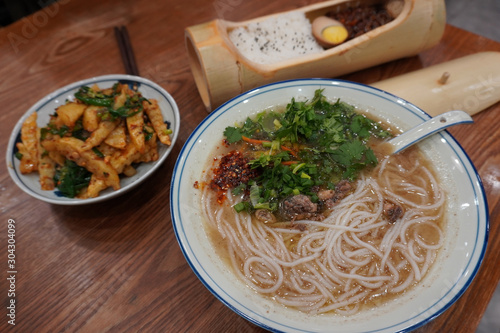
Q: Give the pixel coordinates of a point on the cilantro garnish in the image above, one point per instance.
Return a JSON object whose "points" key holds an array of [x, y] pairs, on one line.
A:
{"points": [[313, 144], [232, 134]]}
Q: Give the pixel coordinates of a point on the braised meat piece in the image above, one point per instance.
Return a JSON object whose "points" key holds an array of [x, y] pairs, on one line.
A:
{"points": [[362, 19], [264, 215], [331, 197], [299, 207], [392, 211]]}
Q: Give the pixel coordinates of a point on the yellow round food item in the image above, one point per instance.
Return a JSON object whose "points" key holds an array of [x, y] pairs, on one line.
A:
{"points": [[335, 34]]}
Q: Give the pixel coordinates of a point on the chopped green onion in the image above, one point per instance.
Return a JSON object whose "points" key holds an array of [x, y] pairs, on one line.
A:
{"points": [[254, 194], [305, 175], [277, 124], [298, 167], [239, 207]]}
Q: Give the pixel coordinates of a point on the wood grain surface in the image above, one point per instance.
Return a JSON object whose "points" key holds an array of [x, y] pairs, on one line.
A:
{"points": [[116, 266]]}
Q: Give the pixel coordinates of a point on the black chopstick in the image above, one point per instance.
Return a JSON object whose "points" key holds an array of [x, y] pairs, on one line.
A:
{"points": [[126, 50]]}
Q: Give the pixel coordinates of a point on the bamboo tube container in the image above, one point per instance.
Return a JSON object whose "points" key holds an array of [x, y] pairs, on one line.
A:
{"points": [[222, 72]]}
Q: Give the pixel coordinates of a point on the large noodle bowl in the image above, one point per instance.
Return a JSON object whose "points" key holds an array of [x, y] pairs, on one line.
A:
{"points": [[352, 259]]}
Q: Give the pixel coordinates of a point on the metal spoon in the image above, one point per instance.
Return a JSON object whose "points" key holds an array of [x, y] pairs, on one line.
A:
{"points": [[427, 128]]}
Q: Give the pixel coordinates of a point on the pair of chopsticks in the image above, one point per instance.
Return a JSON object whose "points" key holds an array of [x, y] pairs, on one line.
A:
{"points": [[126, 50]]}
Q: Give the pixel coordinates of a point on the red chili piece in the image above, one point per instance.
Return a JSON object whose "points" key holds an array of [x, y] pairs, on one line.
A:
{"points": [[233, 170]]}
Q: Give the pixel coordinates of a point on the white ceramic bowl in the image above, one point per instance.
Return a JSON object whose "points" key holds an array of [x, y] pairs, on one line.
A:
{"points": [[46, 106], [466, 233]]}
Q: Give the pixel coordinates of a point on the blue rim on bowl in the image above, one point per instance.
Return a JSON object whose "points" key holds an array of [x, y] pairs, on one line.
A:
{"points": [[457, 269], [47, 105]]}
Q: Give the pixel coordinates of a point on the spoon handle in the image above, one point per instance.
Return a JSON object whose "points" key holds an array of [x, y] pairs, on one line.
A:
{"points": [[429, 127]]}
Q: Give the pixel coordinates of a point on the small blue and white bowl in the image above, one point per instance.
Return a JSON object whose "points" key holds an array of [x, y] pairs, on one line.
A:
{"points": [[466, 232], [29, 183]]}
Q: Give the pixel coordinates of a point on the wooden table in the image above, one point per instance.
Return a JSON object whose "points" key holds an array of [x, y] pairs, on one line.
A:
{"points": [[117, 265]]}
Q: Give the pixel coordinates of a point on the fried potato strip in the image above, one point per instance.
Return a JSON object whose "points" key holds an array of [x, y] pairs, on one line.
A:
{"points": [[29, 146], [46, 167], [90, 120], [96, 185], [124, 157], [100, 134], [70, 112], [135, 125], [118, 137], [154, 113]]}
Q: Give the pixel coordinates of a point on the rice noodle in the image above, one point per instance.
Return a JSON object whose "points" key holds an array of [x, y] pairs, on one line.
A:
{"points": [[351, 256]]}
